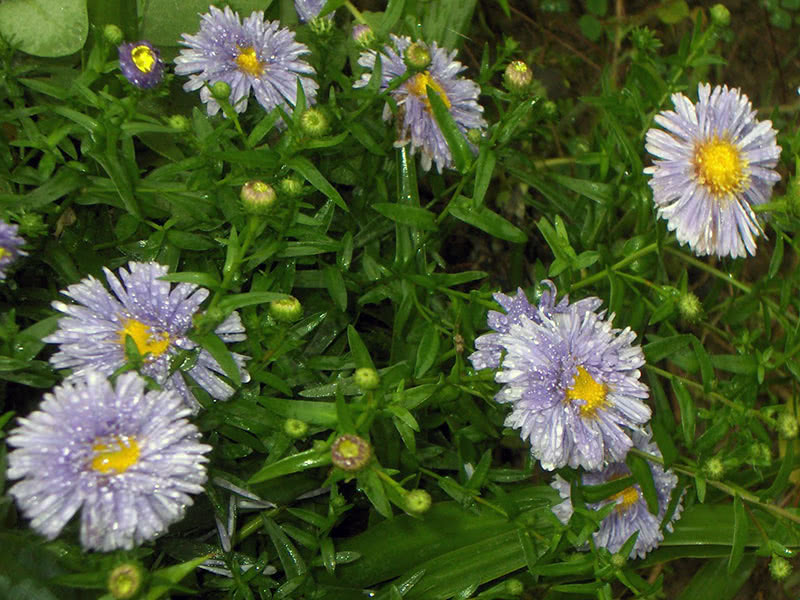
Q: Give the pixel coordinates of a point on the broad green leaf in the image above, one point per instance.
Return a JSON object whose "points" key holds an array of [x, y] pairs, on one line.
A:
{"points": [[660, 349], [358, 349], [413, 216], [48, 28], [427, 352]]}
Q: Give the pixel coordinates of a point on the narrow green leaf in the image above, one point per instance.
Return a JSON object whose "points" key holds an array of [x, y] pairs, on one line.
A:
{"points": [[706, 367], [602, 193], [486, 220], [688, 411], [413, 216], [164, 579], [713, 575], [236, 301], [336, 287], [198, 278], [217, 348], [640, 469], [358, 349], [739, 534], [394, 10], [303, 166], [427, 352], [291, 560], [459, 148], [316, 457], [483, 174], [735, 363], [661, 349], [373, 488]]}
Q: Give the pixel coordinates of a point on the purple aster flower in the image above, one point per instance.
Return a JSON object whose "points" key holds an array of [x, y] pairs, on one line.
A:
{"points": [[128, 459], [10, 244], [631, 514], [716, 160], [141, 64], [458, 94], [571, 378], [156, 316], [255, 54], [489, 352], [308, 10]]}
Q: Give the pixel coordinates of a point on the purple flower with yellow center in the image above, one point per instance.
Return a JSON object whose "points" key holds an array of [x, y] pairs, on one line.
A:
{"points": [[630, 513], [254, 54], [10, 244], [571, 377], [715, 161], [156, 316], [416, 123], [128, 459], [141, 64]]}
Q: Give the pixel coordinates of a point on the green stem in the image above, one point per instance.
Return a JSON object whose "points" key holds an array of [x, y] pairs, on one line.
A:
{"points": [[355, 12], [727, 277], [615, 267]]}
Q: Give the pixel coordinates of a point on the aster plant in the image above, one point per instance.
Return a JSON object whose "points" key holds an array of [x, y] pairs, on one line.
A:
{"points": [[630, 514], [572, 380], [10, 244], [141, 64], [715, 161], [157, 317], [253, 54], [126, 458], [416, 123]]}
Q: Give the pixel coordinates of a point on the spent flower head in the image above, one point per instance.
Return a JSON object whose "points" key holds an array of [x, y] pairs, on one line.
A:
{"points": [[141, 64], [128, 459], [125, 581], [350, 452], [714, 162], [257, 197], [571, 377], [416, 123], [248, 55], [518, 76], [157, 317]]}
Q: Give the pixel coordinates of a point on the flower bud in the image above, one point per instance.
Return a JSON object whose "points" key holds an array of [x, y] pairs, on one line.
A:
{"points": [[112, 34], [32, 225], [366, 378], [257, 197], [418, 502], [474, 136], [125, 581], [517, 76], [178, 123], [618, 560], [295, 428], [550, 109], [787, 426], [322, 26], [363, 35], [514, 587], [314, 123], [221, 91], [350, 452], [720, 15], [418, 56], [286, 310], [779, 568], [713, 469], [689, 307], [291, 186]]}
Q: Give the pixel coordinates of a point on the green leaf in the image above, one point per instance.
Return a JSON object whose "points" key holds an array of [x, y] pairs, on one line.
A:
{"points": [[413, 216], [673, 11], [735, 363], [713, 575], [63, 182], [198, 278], [459, 148], [640, 469], [591, 28], [427, 352], [336, 287], [303, 166], [394, 10], [486, 220], [483, 174], [291, 560], [739, 534], [688, 411], [163, 580], [316, 457], [217, 348], [660, 349], [358, 350], [236, 301], [373, 487], [48, 28]]}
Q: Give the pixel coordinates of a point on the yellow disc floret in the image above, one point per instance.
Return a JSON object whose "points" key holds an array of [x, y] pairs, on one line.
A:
{"points": [[625, 499], [587, 389], [719, 166], [116, 454], [248, 61], [418, 85], [147, 341], [143, 58]]}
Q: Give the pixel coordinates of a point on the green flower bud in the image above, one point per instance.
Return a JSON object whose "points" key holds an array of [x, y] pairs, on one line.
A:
{"points": [[221, 91], [32, 225], [286, 310], [257, 197], [125, 581], [314, 123], [208, 321], [418, 501], [787, 426], [366, 378], [474, 136], [550, 109], [713, 469], [514, 587], [363, 35], [322, 26], [618, 560], [418, 56], [350, 452], [291, 186], [517, 76], [689, 307], [779, 568], [720, 15], [112, 34], [295, 428], [178, 123]]}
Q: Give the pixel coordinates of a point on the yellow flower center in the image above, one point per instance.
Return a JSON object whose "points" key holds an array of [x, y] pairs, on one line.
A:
{"points": [[143, 58], [587, 389], [627, 498], [116, 454], [248, 61], [418, 85], [348, 448], [719, 166], [147, 342], [3, 252]]}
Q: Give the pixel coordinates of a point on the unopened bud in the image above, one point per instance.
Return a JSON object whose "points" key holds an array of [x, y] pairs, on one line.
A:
{"points": [[314, 123], [178, 123], [322, 26], [689, 307], [514, 587], [418, 501], [257, 197], [779, 568], [286, 310], [618, 560], [363, 35], [125, 581], [112, 34], [295, 428], [713, 469], [291, 186], [474, 136], [517, 76], [221, 91], [787, 426], [31, 225], [418, 56], [720, 15], [366, 378], [350, 452]]}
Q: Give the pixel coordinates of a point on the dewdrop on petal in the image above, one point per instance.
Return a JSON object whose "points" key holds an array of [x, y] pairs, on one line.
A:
{"points": [[125, 581], [10, 244], [350, 452], [258, 198]]}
